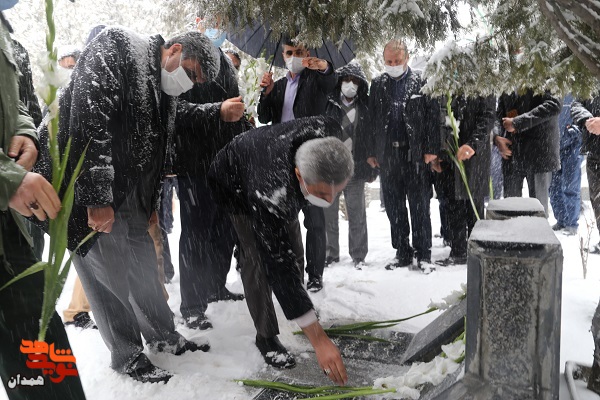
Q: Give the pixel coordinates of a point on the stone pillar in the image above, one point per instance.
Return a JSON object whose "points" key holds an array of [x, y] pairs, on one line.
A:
{"points": [[511, 207], [513, 312]]}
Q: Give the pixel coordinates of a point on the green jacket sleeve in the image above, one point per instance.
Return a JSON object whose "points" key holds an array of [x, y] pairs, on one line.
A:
{"points": [[10, 178], [12, 174]]}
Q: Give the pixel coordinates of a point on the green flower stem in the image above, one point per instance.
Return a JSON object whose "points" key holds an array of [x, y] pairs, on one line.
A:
{"points": [[320, 392], [350, 395], [54, 276], [347, 330], [453, 150]]}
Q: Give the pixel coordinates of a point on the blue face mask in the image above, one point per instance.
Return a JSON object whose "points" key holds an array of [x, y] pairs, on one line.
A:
{"points": [[216, 36], [6, 4]]}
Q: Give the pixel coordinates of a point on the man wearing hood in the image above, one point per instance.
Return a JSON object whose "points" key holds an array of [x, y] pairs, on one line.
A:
{"points": [[405, 122], [349, 105], [122, 110]]}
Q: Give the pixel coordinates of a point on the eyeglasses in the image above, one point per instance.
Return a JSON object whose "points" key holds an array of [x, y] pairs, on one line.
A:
{"points": [[297, 52]]}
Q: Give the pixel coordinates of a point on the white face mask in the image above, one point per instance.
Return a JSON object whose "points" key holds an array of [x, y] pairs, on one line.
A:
{"points": [[349, 89], [176, 82], [314, 200], [294, 64], [395, 71]]}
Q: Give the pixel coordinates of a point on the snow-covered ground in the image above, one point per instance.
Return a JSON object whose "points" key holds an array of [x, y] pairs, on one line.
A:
{"points": [[370, 294]]}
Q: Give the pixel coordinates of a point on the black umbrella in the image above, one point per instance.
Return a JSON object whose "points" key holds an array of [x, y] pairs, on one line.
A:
{"points": [[260, 41]]}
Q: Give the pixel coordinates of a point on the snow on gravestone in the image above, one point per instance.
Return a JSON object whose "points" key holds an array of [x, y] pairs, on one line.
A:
{"points": [[513, 312], [511, 207], [427, 343]]}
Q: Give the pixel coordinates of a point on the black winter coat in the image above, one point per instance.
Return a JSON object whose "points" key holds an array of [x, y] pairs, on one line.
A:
{"points": [[311, 97], [536, 143], [362, 132], [199, 131], [475, 116], [117, 109], [581, 112], [26, 90], [254, 175], [421, 116]]}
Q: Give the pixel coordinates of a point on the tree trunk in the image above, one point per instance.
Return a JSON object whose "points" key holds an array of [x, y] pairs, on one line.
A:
{"points": [[584, 48]]}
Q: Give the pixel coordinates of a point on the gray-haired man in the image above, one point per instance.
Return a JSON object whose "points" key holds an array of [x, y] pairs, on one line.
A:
{"points": [[263, 191]]}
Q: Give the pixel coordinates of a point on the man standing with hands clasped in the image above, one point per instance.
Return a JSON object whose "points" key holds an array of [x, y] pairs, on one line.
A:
{"points": [[405, 123]]}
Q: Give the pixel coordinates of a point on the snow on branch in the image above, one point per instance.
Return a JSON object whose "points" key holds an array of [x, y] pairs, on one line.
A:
{"points": [[582, 46]]}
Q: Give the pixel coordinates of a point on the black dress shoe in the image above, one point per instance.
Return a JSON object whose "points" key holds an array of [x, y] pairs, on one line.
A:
{"points": [[199, 321], [314, 284], [452, 261], [225, 295], [144, 371], [396, 263], [331, 260], [82, 320], [274, 353], [595, 249], [192, 347]]}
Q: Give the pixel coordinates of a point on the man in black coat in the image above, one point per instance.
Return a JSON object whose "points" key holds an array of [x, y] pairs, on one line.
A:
{"points": [[263, 191], [586, 116], [529, 143], [301, 93], [349, 105], [404, 124], [475, 116], [118, 111], [209, 116]]}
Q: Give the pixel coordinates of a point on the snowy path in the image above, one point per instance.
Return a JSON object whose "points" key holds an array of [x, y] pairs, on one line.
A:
{"points": [[370, 294]]}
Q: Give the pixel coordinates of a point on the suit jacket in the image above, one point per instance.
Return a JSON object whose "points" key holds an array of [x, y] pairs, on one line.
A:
{"points": [[311, 98], [116, 109], [581, 112], [476, 117], [421, 116], [535, 145], [254, 175]]}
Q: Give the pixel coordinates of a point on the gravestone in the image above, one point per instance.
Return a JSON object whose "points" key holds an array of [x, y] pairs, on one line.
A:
{"points": [[511, 207], [443, 330], [513, 312]]}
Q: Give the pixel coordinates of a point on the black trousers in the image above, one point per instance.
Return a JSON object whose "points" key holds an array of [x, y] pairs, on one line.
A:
{"points": [[20, 311], [205, 246], [407, 179], [316, 240], [166, 222], [593, 176], [257, 289], [460, 217]]}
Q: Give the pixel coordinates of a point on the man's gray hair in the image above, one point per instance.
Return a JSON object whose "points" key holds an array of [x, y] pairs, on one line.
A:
{"points": [[196, 46], [325, 160], [396, 45]]}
